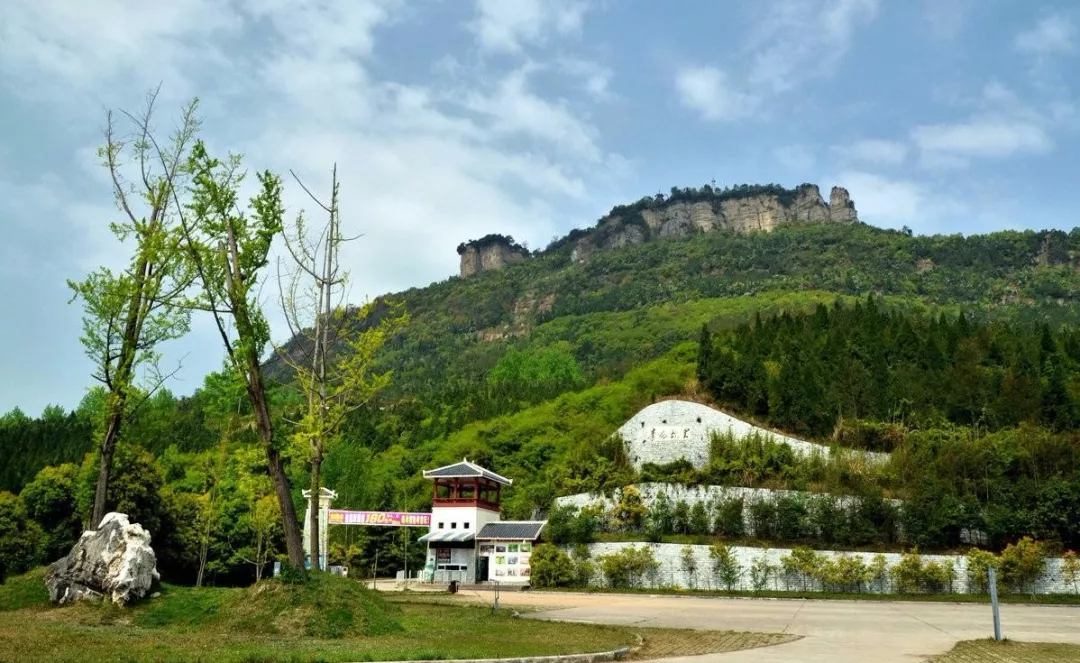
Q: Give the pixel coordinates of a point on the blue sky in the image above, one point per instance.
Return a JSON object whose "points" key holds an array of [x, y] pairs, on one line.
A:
{"points": [[450, 119]]}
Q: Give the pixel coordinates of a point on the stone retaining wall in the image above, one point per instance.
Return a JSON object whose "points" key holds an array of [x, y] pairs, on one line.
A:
{"points": [[672, 572]]}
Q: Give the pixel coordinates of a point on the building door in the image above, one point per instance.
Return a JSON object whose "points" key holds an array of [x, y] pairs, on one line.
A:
{"points": [[482, 569]]}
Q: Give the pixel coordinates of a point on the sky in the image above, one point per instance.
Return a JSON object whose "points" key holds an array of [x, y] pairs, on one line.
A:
{"points": [[452, 119]]}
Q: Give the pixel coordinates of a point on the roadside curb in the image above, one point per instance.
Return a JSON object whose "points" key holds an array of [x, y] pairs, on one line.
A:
{"points": [[598, 657]]}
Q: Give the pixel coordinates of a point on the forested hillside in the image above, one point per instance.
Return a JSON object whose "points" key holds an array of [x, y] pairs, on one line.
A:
{"points": [[956, 354]]}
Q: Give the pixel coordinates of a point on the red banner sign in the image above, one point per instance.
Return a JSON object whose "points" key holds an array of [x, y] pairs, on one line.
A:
{"points": [[383, 518]]}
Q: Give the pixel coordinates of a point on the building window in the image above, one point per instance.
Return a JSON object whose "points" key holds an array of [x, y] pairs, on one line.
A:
{"points": [[453, 525], [442, 525], [465, 526]]}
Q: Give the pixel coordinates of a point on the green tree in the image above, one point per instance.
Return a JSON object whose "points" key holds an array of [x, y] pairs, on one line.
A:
{"points": [[20, 537], [128, 314], [50, 501], [227, 250]]}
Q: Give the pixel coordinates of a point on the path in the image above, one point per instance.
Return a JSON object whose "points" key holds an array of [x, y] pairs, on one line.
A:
{"points": [[834, 631]]}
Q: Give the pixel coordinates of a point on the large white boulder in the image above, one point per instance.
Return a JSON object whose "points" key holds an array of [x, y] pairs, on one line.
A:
{"points": [[114, 562]]}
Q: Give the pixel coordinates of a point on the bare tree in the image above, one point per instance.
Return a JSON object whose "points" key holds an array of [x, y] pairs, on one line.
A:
{"points": [[128, 314], [334, 358]]}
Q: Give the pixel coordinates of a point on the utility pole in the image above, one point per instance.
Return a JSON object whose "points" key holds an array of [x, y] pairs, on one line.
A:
{"points": [[994, 603]]}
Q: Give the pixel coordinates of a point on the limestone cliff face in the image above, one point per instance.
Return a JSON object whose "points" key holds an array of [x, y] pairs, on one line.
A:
{"points": [[490, 253], [742, 209], [723, 211]]}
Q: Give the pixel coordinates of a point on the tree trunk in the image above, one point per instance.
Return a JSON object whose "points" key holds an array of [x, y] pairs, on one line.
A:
{"points": [[108, 449], [316, 486], [274, 466]]}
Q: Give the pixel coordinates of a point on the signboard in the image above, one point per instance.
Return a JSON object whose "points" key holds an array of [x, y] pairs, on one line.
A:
{"points": [[442, 554], [384, 518]]}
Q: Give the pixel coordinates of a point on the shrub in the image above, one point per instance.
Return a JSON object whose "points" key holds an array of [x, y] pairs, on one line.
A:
{"points": [[660, 519], [1070, 569], [845, 573], [688, 562], [878, 571], [1022, 563], [729, 517], [907, 574], [760, 572], [629, 567], [725, 565], [802, 563], [699, 519], [629, 513], [938, 576], [979, 562], [551, 567], [763, 519], [568, 524], [681, 517], [584, 568]]}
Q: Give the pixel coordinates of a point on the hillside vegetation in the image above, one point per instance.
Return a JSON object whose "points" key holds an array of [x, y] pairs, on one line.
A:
{"points": [[954, 353]]}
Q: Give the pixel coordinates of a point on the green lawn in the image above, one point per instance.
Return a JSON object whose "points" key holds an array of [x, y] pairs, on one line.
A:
{"points": [[981, 651], [330, 620]]}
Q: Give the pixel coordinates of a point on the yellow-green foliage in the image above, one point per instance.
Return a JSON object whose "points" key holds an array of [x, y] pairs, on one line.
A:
{"points": [[979, 562]]}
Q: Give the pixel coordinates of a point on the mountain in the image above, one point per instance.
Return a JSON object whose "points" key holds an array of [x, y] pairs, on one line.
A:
{"points": [[954, 354], [741, 209]]}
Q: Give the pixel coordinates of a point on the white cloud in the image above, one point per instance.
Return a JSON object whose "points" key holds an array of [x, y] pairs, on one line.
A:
{"points": [[795, 157], [802, 39], [508, 25], [708, 91], [983, 137], [85, 45], [1053, 35], [880, 152], [883, 200], [423, 164], [1003, 126]]}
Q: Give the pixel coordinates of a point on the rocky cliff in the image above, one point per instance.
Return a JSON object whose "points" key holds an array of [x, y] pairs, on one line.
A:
{"points": [[685, 212], [741, 209], [490, 253]]}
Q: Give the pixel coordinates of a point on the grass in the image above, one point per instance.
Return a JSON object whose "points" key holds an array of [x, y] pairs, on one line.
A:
{"points": [[329, 620], [1019, 599], [24, 591], [981, 651]]}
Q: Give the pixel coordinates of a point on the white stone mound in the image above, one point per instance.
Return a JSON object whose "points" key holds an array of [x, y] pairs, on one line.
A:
{"points": [[668, 431], [114, 562]]}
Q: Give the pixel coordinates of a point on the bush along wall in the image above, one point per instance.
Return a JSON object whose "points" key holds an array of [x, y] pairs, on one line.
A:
{"points": [[1023, 568]]}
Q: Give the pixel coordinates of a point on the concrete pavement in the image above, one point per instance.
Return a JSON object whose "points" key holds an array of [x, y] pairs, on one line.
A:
{"points": [[834, 631]]}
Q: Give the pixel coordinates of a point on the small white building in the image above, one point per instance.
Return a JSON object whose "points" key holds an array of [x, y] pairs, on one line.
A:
{"points": [[468, 542]]}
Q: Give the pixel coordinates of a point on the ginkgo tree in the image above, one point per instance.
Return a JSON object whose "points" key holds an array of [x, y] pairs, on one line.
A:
{"points": [[332, 355], [128, 313], [227, 248]]}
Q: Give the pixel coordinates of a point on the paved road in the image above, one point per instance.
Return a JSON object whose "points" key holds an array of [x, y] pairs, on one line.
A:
{"points": [[834, 631]]}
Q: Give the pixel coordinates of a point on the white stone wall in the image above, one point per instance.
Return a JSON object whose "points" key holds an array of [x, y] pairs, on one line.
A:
{"points": [[667, 431], [672, 573], [708, 495]]}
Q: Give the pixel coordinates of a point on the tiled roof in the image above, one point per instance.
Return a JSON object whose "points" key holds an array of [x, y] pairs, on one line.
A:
{"points": [[465, 469], [509, 529]]}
